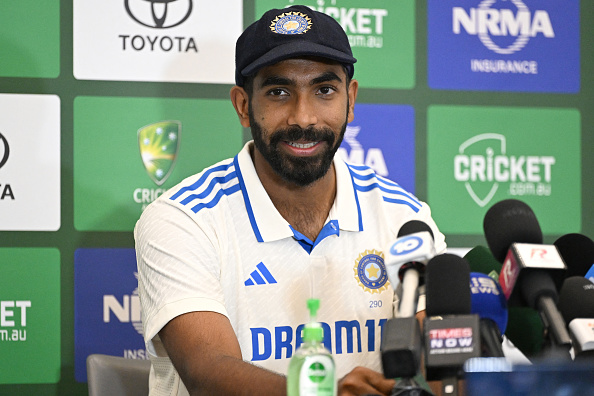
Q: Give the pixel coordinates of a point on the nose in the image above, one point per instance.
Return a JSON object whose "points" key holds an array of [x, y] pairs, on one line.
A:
{"points": [[303, 112]]}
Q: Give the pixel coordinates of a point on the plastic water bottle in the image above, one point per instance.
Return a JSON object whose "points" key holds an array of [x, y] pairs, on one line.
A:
{"points": [[312, 370]]}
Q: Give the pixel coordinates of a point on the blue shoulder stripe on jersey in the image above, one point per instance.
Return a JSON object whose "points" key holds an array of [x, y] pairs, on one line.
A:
{"points": [[215, 200], [246, 198], [211, 186], [383, 185], [200, 181]]}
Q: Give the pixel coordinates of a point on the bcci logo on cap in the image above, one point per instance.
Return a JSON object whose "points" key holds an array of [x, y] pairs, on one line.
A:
{"points": [[159, 144], [159, 14], [4, 150], [291, 23]]}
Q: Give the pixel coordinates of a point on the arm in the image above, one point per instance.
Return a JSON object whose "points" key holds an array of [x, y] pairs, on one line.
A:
{"points": [[206, 354]]}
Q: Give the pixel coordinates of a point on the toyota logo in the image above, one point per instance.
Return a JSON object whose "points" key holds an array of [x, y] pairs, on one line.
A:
{"points": [[4, 150], [159, 14]]}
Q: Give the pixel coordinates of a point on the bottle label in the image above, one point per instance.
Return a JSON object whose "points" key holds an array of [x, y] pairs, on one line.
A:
{"points": [[317, 376]]}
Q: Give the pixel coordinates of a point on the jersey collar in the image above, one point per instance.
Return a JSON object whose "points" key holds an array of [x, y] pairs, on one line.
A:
{"points": [[267, 223]]}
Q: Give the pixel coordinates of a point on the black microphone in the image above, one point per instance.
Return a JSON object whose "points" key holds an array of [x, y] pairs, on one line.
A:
{"points": [[576, 303], [451, 332], [577, 251], [529, 268]]}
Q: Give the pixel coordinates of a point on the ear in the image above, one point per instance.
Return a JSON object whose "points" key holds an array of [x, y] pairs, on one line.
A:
{"points": [[240, 100], [353, 89]]}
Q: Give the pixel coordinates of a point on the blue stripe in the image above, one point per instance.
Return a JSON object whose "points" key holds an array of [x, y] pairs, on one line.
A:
{"points": [[266, 273], [200, 181], [401, 201], [208, 190], [257, 277], [248, 205], [351, 171], [216, 198], [386, 190]]}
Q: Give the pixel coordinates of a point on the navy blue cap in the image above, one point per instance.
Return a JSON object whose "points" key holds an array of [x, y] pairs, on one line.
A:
{"points": [[290, 33]]}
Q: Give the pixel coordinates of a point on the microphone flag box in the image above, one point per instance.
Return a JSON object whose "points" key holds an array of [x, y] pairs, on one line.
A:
{"points": [[408, 250], [582, 334], [450, 341], [401, 347], [525, 257]]}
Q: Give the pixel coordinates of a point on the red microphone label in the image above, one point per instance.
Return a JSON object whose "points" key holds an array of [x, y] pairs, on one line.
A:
{"points": [[509, 274]]}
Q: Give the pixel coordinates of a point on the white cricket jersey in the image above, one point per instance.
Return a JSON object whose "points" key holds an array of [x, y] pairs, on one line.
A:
{"points": [[215, 242]]}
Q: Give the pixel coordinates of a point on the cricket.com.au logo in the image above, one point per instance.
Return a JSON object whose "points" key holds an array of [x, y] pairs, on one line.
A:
{"points": [[503, 26], [159, 14], [484, 167], [159, 145]]}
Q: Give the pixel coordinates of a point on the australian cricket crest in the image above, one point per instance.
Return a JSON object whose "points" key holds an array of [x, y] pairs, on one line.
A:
{"points": [[370, 271], [159, 144]]}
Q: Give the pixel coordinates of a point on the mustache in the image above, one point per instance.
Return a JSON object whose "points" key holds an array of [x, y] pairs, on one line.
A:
{"points": [[297, 133]]}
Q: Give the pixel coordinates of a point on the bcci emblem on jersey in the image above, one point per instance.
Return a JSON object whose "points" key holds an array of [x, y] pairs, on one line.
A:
{"points": [[370, 271], [159, 144]]}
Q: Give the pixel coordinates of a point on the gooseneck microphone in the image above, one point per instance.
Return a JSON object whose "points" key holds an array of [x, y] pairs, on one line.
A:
{"points": [[529, 268], [401, 345], [489, 304], [451, 332]]}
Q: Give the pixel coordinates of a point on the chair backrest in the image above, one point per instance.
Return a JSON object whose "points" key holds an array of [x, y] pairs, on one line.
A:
{"points": [[117, 376]]}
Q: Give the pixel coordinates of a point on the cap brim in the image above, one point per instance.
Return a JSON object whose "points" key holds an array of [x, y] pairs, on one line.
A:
{"points": [[295, 49]]}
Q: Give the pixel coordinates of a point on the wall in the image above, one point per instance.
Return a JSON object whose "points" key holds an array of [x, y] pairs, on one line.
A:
{"points": [[87, 90]]}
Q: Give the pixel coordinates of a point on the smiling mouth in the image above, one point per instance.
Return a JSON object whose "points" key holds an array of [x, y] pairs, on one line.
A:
{"points": [[302, 145]]}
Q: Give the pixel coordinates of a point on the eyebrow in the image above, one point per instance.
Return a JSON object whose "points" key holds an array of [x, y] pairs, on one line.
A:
{"points": [[277, 80]]}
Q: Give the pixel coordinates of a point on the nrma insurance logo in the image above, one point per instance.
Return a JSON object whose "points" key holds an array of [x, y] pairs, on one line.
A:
{"points": [[504, 45], [382, 137], [107, 308], [483, 166]]}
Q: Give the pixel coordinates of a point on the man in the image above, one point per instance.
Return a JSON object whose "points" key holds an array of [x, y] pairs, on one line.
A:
{"points": [[228, 258]]}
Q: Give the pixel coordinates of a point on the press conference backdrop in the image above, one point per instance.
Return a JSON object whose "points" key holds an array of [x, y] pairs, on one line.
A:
{"points": [[103, 108]]}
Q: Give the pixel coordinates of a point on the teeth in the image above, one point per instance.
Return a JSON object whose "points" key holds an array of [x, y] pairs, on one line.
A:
{"points": [[302, 145]]}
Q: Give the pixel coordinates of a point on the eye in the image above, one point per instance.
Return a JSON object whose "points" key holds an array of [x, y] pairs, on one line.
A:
{"points": [[326, 90], [278, 92]]}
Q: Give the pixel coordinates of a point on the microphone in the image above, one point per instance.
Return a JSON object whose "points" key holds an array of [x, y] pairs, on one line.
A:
{"points": [[526, 276], [577, 251], [401, 345], [576, 303], [488, 302], [451, 332], [524, 327], [405, 261]]}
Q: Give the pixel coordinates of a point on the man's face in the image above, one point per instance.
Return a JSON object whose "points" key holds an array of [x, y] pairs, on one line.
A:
{"points": [[298, 113]]}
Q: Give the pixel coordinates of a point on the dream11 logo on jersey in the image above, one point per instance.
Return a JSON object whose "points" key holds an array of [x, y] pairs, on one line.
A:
{"points": [[158, 14], [504, 45]]}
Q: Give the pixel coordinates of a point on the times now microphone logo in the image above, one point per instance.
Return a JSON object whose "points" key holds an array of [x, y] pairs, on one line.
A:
{"points": [[451, 340]]}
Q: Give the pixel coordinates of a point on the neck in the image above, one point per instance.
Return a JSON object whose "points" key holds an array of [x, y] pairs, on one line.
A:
{"points": [[306, 208]]}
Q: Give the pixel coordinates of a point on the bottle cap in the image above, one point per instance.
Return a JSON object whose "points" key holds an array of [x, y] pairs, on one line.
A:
{"points": [[313, 330]]}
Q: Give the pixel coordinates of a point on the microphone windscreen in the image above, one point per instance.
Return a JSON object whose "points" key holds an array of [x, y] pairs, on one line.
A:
{"points": [[510, 221], [576, 299], [414, 226], [481, 260], [577, 251], [447, 285], [487, 300], [537, 283]]}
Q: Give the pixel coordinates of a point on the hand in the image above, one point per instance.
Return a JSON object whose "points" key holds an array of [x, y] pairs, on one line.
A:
{"points": [[364, 381]]}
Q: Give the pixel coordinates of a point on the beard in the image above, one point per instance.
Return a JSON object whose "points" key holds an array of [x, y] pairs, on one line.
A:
{"points": [[301, 171]]}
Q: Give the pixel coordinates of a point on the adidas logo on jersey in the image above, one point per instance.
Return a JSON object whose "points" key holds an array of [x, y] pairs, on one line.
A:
{"points": [[260, 276]]}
